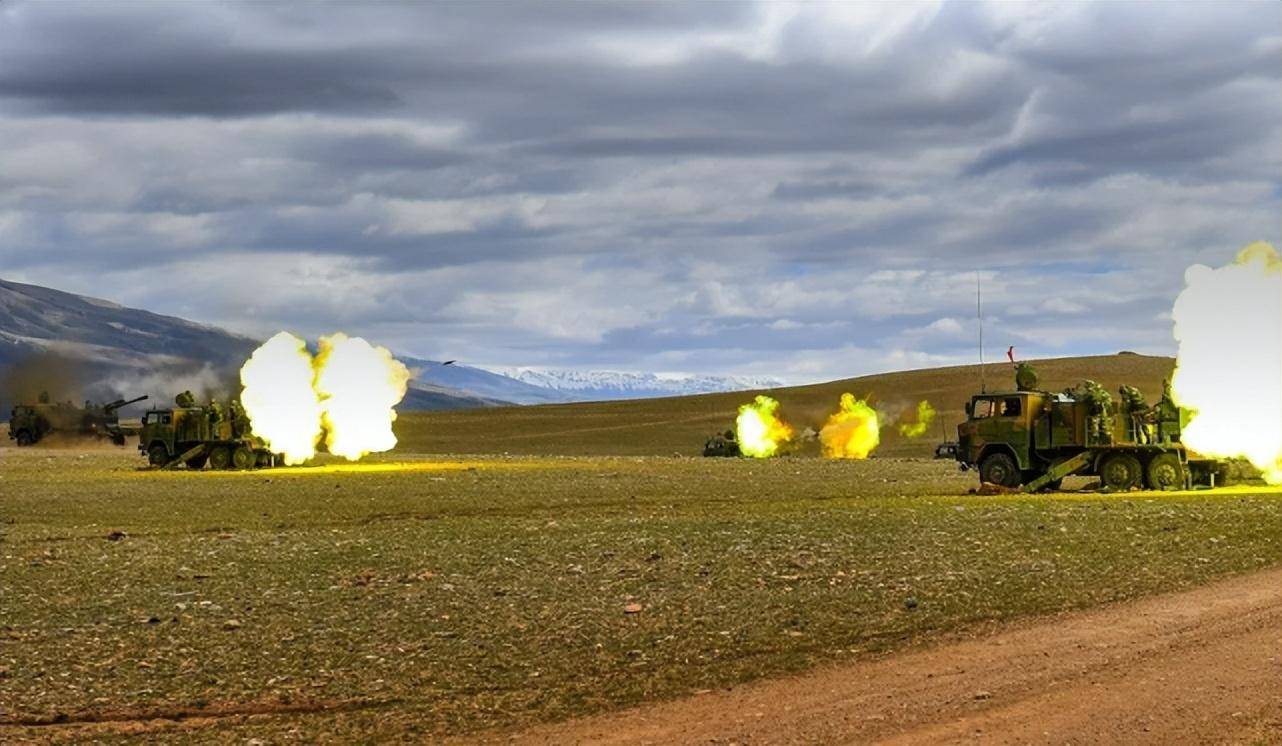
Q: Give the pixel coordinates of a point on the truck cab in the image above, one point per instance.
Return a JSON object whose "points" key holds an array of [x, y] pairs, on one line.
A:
{"points": [[165, 432], [1000, 423]]}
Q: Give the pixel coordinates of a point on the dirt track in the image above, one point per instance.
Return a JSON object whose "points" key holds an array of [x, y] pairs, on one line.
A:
{"points": [[1201, 666]]}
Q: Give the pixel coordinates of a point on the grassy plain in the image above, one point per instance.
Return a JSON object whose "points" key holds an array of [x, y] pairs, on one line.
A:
{"points": [[417, 596], [679, 425]]}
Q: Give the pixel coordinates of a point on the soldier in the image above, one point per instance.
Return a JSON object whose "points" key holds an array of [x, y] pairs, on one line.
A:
{"points": [[1099, 420], [1137, 413], [1167, 415], [215, 413], [239, 423]]}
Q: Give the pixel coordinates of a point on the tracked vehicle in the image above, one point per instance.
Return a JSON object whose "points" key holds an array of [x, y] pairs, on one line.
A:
{"points": [[195, 436], [1031, 438]]}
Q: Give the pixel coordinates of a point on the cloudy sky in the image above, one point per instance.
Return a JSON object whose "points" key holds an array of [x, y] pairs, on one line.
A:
{"points": [[807, 192]]}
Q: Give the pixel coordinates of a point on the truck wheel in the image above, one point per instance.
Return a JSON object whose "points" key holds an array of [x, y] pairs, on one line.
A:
{"points": [[999, 469], [196, 463], [1120, 472], [157, 455], [24, 438], [243, 458], [220, 458], [1165, 472]]}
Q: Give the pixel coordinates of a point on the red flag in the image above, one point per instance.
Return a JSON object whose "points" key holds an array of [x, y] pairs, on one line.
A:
{"points": [[1010, 353]]}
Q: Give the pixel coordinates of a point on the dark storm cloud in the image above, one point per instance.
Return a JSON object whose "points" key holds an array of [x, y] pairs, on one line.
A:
{"points": [[696, 186]]}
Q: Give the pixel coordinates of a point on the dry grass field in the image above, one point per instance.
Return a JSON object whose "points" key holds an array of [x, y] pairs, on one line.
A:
{"points": [[417, 596], [665, 427]]}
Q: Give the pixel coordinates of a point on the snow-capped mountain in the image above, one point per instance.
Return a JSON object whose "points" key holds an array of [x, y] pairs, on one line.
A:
{"points": [[601, 385]]}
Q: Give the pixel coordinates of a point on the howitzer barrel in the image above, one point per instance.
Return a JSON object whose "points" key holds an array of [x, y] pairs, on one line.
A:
{"points": [[117, 404]]}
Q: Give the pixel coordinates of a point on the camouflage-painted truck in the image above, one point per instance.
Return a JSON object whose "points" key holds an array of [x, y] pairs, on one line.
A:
{"points": [[194, 436], [1033, 439], [31, 423]]}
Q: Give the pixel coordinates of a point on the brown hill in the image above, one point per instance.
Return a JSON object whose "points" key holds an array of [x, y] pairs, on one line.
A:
{"points": [[680, 425]]}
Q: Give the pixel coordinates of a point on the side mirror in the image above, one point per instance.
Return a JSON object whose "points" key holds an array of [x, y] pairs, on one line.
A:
{"points": [[968, 408]]}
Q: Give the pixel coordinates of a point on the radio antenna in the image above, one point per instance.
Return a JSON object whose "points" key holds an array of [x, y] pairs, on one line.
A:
{"points": [[979, 313]]}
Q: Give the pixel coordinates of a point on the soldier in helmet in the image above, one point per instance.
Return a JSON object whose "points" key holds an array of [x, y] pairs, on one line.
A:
{"points": [[1099, 411], [1136, 410], [1167, 415], [215, 413], [239, 420]]}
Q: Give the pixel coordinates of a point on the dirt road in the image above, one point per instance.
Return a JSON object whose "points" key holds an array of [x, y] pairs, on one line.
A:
{"points": [[1201, 666]]}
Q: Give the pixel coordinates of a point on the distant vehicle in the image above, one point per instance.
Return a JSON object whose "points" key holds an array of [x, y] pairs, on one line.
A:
{"points": [[31, 423], [195, 436], [1034, 439], [722, 445]]}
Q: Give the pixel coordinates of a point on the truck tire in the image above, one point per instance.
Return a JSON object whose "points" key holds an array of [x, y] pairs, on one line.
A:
{"points": [[220, 458], [242, 458], [1000, 469], [1165, 472], [1120, 472], [157, 454], [24, 438]]}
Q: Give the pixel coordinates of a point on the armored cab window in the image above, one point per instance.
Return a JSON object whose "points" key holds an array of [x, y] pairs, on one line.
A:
{"points": [[1010, 407], [166, 418], [982, 409]]}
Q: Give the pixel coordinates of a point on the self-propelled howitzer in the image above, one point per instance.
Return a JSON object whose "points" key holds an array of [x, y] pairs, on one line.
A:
{"points": [[1033, 439]]}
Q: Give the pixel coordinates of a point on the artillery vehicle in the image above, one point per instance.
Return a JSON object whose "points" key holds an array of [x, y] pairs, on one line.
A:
{"points": [[722, 444], [31, 423], [193, 435], [1033, 439]]}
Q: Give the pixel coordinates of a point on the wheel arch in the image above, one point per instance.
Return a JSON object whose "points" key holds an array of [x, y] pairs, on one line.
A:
{"points": [[1005, 448]]}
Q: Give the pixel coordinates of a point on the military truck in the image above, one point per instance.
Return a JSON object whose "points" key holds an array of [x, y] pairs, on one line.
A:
{"points": [[194, 436], [31, 423], [1031, 438], [722, 445]]}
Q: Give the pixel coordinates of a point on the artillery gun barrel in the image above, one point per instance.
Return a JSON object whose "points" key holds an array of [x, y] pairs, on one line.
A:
{"points": [[117, 404]]}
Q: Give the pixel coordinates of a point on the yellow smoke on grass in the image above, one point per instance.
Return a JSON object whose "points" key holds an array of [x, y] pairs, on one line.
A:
{"points": [[346, 394], [283, 408], [759, 430], [925, 416], [359, 386], [1228, 323], [852, 431]]}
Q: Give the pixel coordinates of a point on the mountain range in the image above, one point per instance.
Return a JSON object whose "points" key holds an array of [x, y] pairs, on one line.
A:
{"points": [[79, 347], [609, 385]]}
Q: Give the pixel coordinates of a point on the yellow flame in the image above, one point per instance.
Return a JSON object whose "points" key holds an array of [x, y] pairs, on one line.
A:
{"points": [[283, 408], [359, 385], [1228, 323], [759, 429], [852, 431], [925, 416]]}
